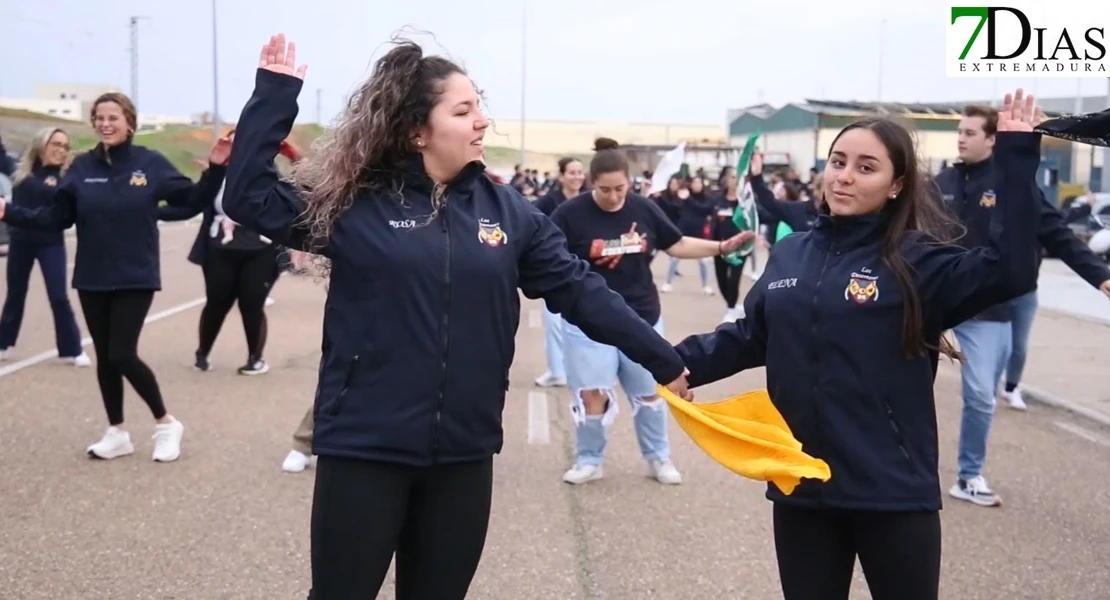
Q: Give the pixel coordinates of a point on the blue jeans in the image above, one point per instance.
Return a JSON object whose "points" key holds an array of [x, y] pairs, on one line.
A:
{"points": [[703, 270], [553, 343], [594, 366], [52, 261], [1025, 308], [985, 346]]}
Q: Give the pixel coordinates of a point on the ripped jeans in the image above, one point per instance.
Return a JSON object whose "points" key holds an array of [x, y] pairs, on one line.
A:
{"points": [[594, 366]]}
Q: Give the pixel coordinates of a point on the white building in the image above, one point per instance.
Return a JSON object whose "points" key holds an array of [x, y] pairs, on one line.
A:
{"points": [[71, 101]]}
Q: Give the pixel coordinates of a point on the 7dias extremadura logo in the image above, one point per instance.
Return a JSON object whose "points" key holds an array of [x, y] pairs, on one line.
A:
{"points": [[1031, 38]]}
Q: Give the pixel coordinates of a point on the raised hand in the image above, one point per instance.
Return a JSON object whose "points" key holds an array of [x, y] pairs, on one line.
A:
{"points": [[221, 152], [755, 166], [276, 56], [1019, 112]]}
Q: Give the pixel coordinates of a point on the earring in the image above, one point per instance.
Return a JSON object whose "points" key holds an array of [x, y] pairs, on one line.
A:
{"points": [[419, 143]]}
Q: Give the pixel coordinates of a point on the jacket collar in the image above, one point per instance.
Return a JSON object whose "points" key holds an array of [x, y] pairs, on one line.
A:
{"points": [[114, 154], [832, 231], [414, 176]]}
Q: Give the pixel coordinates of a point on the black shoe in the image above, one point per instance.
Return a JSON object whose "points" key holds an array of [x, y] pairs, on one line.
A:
{"points": [[254, 366], [202, 363]]}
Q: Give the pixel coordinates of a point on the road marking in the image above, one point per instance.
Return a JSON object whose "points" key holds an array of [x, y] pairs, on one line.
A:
{"points": [[539, 425], [85, 341], [1083, 432], [535, 319]]}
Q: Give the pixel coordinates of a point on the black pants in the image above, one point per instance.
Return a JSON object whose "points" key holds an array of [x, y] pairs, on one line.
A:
{"points": [[728, 280], [115, 321], [433, 518], [243, 276], [817, 549]]}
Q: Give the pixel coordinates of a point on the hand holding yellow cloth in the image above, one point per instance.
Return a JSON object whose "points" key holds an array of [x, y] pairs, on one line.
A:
{"points": [[748, 436]]}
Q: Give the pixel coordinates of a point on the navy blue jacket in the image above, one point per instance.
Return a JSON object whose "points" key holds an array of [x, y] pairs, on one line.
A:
{"points": [[113, 198], [422, 309], [970, 192], [826, 321], [551, 200], [37, 191], [694, 213]]}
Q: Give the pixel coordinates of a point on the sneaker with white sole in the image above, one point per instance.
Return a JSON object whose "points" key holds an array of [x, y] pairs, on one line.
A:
{"points": [[294, 462], [708, 291], [579, 474], [80, 361], [976, 491], [4, 353], [115, 443], [664, 472], [549, 380], [1015, 400], [254, 366], [167, 441], [666, 288]]}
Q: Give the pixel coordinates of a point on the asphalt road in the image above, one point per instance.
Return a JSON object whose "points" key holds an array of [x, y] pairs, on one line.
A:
{"points": [[225, 522]]}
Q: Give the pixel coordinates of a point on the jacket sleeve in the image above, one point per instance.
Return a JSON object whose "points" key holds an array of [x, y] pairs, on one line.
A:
{"points": [[1060, 242], [548, 270], [729, 349], [790, 212], [202, 196], [57, 215], [255, 195], [958, 284]]}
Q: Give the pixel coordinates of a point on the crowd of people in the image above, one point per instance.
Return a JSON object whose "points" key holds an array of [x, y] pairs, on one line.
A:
{"points": [[405, 422]]}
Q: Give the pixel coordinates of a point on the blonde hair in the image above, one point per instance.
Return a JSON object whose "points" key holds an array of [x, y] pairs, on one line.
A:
{"points": [[33, 156]]}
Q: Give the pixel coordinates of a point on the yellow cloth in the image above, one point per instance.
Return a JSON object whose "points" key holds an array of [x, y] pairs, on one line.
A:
{"points": [[748, 436]]}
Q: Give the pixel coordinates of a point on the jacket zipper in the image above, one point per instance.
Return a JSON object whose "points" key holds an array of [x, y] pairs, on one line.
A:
{"points": [[335, 406], [897, 432], [813, 346], [444, 334]]}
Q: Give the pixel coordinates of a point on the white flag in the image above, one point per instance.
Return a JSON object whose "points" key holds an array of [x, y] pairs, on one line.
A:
{"points": [[670, 164]]}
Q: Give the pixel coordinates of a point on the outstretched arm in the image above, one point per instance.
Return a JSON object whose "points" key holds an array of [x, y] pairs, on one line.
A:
{"points": [[255, 196]]}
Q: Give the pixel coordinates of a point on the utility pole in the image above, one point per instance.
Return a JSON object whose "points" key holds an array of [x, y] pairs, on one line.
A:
{"points": [[882, 47], [135, 59], [523, 72], [215, 81]]}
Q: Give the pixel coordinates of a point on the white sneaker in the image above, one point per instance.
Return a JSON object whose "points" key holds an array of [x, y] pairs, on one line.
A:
{"points": [[666, 288], [708, 291], [82, 361], [115, 443], [579, 474], [295, 462], [665, 472], [4, 353], [755, 275], [269, 301], [976, 491], [549, 380], [1015, 400], [167, 441]]}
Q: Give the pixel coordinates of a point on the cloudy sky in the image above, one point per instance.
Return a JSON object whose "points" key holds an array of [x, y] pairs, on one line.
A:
{"points": [[630, 60]]}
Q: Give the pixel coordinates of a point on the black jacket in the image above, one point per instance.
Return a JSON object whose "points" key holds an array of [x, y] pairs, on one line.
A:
{"points": [[799, 215], [422, 311], [112, 196], [826, 321], [34, 192], [970, 191]]}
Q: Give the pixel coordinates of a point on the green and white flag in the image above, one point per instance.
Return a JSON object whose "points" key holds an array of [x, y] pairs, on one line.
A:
{"points": [[746, 216]]}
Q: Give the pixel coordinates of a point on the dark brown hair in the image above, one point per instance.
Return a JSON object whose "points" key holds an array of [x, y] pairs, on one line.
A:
{"points": [[607, 158], [915, 208], [564, 162], [130, 115], [990, 117], [367, 146]]}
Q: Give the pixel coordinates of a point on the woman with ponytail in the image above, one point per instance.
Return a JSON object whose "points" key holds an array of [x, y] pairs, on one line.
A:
{"points": [[616, 231]]}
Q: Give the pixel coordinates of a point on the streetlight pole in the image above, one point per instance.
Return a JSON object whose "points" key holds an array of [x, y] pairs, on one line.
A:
{"points": [[215, 80], [523, 72], [882, 47]]}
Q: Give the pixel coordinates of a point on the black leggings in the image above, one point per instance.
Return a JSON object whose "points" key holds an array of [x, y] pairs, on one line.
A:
{"points": [[434, 519], [243, 276], [817, 549], [728, 280], [115, 321]]}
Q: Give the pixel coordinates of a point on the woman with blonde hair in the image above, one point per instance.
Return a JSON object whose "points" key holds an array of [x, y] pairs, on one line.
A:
{"points": [[35, 180]]}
